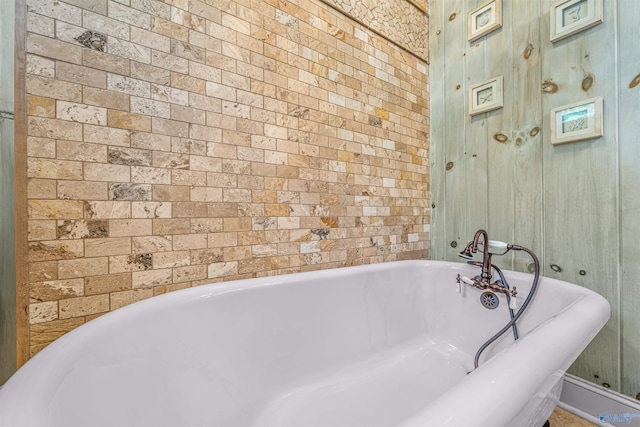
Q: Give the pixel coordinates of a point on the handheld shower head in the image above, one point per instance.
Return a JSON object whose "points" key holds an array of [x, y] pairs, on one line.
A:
{"points": [[467, 252]]}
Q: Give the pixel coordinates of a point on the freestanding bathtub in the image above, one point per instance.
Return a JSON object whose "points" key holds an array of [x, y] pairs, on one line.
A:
{"points": [[380, 345]]}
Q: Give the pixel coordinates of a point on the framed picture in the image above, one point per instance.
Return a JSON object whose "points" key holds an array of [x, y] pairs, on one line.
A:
{"points": [[569, 17], [485, 96], [577, 122], [484, 19]]}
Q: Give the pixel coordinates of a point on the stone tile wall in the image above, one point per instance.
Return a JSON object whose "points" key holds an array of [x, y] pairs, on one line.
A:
{"points": [[177, 143]]}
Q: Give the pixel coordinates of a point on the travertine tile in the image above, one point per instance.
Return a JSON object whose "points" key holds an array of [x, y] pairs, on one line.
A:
{"points": [[216, 141]]}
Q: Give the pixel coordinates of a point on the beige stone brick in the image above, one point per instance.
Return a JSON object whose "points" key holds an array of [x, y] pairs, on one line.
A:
{"points": [[170, 127], [189, 241], [41, 271], [237, 224], [43, 312], [39, 66], [41, 188], [169, 94], [106, 135], [169, 62], [152, 244], [95, 285], [81, 113], [189, 209], [102, 24], [206, 225], [56, 49], [82, 267], [188, 83], [189, 273], [152, 278], [40, 106], [188, 114], [151, 209], [150, 73], [150, 39], [149, 107], [81, 75], [171, 259], [52, 128], [41, 230], [54, 169], [106, 62], [181, 17], [130, 227], [219, 240], [170, 193], [163, 226], [120, 299], [128, 85], [131, 121], [82, 190], [106, 172], [105, 98], [107, 209], [39, 24], [169, 29], [78, 151], [55, 250], [206, 194], [54, 290], [222, 269], [128, 263], [151, 141], [170, 160], [107, 246], [83, 306], [205, 164]]}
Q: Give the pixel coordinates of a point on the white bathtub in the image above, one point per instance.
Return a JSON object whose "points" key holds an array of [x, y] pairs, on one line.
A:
{"points": [[380, 345]]}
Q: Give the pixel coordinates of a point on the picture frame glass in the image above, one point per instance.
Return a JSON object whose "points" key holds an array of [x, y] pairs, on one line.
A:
{"points": [[573, 14], [576, 121], [485, 17]]}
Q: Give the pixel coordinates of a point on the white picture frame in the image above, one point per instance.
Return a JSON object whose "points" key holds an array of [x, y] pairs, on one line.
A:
{"points": [[577, 122], [484, 20], [486, 96], [568, 17]]}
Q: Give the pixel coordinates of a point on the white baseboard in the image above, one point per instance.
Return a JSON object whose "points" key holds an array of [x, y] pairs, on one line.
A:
{"points": [[590, 401]]}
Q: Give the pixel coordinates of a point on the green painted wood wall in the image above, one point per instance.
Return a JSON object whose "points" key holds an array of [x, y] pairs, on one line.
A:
{"points": [[7, 239], [577, 205]]}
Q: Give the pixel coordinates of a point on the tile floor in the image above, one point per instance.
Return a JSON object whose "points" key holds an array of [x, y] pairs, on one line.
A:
{"points": [[562, 418]]}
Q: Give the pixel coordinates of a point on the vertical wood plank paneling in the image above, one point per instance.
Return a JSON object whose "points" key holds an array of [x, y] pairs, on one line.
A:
{"points": [[575, 205], [629, 129], [500, 155], [580, 184], [437, 129], [7, 233], [456, 190], [474, 160], [526, 139]]}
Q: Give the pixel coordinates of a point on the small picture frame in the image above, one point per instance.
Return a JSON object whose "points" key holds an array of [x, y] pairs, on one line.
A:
{"points": [[485, 96], [568, 17], [577, 122], [484, 19]]}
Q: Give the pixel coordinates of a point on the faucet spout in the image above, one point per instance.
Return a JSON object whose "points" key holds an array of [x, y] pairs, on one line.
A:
{"points": [[486, 256]]}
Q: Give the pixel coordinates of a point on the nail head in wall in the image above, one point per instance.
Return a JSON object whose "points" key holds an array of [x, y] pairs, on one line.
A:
{"points": [[449, 166], [634, 82], [519, 141], [528, 51], [534, 131], [501, 137], [454, 244], [549, 87], [93, 40], [582, 272], [452, 16], [587, 82], [457, 87]]}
